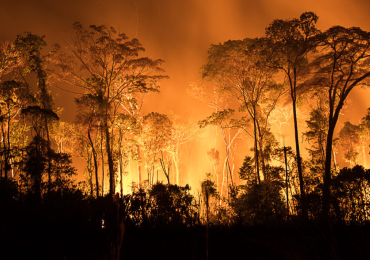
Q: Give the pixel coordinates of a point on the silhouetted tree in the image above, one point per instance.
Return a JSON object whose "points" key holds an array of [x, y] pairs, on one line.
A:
{"points": [[184, 130], [209, 92], [35, 165], [88, 118], [13, 97], [260, 203], [316, 135], [31, 47], [127, 128], [110, 68], [222, 118], [350, 201], [157, 143], [209, 191], [236, 68], [288, 44], [340, 66]]}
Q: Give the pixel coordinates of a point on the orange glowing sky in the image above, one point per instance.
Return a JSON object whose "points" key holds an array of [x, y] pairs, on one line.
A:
{"points": [[179, 32]]}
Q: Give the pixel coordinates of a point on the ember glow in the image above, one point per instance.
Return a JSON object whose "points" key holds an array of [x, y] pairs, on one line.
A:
{"points": [[117, 115], [180, 34]]}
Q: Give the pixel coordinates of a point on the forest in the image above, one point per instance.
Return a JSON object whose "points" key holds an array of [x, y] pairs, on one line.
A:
{"points": [[134, 200]]}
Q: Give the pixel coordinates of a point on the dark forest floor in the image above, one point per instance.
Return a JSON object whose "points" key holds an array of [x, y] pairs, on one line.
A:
{"points": [[40, 239]]}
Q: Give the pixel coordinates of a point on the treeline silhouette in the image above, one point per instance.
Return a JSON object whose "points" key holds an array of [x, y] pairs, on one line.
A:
{"points": [[278, 206], [165, 221]]}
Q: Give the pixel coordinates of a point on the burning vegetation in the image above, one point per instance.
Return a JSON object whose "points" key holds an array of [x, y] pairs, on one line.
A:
{"points": [[138, 171]]}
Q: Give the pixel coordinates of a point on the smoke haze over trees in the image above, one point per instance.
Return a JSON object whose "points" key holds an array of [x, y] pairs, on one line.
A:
{"points": [[144, 170]]}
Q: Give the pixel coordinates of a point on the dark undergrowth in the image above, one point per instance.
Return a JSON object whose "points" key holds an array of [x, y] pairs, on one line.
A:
{"points": [[163, 223], [39, 238]]}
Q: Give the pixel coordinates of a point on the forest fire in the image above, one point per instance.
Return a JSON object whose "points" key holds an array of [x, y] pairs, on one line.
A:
{"points": [[108, 143]]}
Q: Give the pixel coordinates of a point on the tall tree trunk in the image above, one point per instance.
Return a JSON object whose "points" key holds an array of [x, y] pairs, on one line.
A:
{"points": [[95, 163], [102, 161], [222, 185], [121, 174], [334, 161], [262, 158], [327, 175], [293, 94], [89, 172], [333, 119], [226, 163], [299, 163], [231, 174], [255, 147], [110, 161], [286, 183]]}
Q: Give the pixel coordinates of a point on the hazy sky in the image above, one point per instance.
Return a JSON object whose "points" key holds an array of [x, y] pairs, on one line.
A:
{"points": [[177, 31]]}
